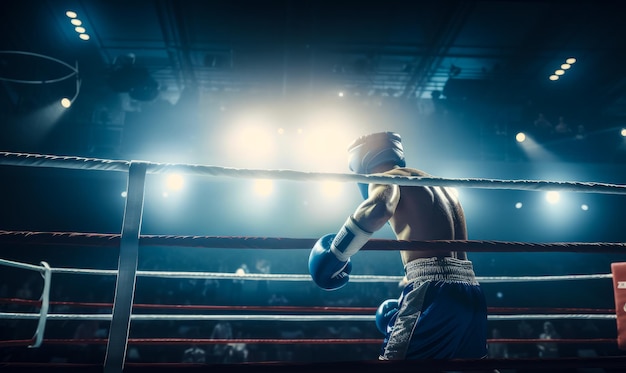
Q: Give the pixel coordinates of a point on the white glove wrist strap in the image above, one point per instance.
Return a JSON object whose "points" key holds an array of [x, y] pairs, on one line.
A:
{"points": [[349, 240]]}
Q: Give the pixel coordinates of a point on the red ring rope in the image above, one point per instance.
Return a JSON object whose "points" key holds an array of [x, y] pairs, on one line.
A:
{"points": [[321, 309], [308, 341]]}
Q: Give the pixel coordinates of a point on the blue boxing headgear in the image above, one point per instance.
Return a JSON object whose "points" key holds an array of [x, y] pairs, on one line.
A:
{"points": [[369, 151]]}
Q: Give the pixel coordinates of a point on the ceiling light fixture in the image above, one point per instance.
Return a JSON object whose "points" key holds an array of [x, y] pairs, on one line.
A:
{"points": [[78, 25], [73, 73], [564, 67]]}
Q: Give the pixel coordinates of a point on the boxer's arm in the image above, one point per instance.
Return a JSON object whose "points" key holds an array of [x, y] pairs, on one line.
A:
{"points": [[374, 212]]}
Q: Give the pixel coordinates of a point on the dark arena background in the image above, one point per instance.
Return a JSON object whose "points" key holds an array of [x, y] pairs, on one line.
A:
{"points": [[221, 99]]}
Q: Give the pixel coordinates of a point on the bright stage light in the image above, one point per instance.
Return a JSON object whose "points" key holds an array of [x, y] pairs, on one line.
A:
{"points": [[174, 182], [520, 137], [332, 188], [553, 197], [263, 187]]}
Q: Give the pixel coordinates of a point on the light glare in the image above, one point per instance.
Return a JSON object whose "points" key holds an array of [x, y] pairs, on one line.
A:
{"points": [[66, 102], [565, 66], [332, 188], [518, 205], [570, 61], [76, 22], [553, 197], [174, 182], [520, 137], [554, 77], [263, 187], [84, 36], [71, 14], [559, 72]]}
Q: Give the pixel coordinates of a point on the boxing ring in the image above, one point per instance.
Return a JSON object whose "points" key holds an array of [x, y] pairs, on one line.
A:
{"points": [[130, 239]]}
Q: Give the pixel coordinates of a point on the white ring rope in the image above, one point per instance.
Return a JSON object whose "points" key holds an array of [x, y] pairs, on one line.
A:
{"points": [[38, 160], [370, 318], [290, 277], [30, 267]]}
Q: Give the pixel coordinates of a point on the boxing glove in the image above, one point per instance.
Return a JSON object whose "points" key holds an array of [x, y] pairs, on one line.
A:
{"points": [[326, 270], [385, 313], [329, 260]]}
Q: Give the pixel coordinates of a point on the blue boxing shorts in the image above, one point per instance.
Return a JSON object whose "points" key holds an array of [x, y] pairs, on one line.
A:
{"points": [[442, 313]]}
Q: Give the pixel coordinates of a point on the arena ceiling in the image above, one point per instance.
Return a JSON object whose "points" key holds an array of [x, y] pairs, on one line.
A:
{"points": [[496, 53]]}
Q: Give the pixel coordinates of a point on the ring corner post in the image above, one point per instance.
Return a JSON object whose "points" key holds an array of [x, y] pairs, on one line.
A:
{"points": [[127, 269], [619, 289]]}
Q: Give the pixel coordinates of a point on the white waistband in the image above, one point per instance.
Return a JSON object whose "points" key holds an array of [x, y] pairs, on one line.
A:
{"points": [[445, 269]]}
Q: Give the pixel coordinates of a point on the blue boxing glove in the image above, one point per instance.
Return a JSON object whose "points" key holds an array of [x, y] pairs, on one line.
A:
{"points": [[329, 260], [385, 313], [327, 271]]}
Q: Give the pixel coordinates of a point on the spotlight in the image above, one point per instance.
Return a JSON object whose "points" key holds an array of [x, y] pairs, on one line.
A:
{"points": [[520, 137], [174, 182], [263, 187], [553, 197], [554, 77], [570, 61], [67, 102], [584, 207], [623, 132], [518, 205]]}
